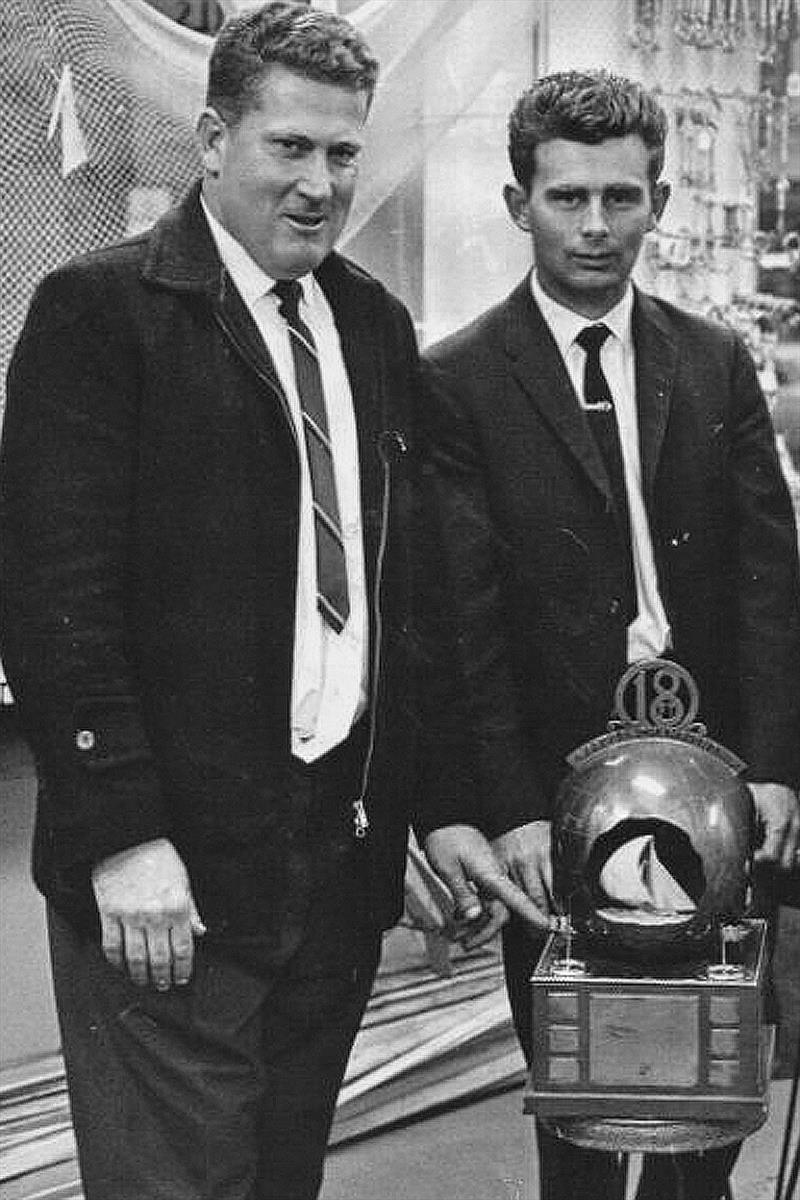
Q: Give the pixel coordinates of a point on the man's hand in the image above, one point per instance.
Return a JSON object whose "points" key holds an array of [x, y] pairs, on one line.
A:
{"points": [[482, 893], [524, 856], [778, 813], [148, 916]]}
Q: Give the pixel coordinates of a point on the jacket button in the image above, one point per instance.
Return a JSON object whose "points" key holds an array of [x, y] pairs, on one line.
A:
{"points": [[614, 607], [85, 739]]}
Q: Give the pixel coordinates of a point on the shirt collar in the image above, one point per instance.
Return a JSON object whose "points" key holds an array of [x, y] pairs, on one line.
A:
{"points": [[251, 281], [565, 324]]}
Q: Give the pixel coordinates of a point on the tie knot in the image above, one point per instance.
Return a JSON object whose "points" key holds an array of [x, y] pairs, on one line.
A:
{"points": [[591, 337], [288, 292]]}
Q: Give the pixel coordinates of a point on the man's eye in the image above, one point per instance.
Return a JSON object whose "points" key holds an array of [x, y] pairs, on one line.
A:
{"points": [[567, 199], [290, 147], [622, 199], [344, 156]]}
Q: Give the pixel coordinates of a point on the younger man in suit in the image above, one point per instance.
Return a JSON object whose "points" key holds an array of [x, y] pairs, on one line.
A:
{"points": [[603, 487], [205, 603]]}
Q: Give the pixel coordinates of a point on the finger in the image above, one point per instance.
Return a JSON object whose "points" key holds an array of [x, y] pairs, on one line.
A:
{"points": [[112, 941], [790, 856], [466, 902], [534, 884], [770, 849], [791, 848], [195, 920], [495, 917], [136, 954], [159, 954], [500, 887], [546, 876], [182, 943], [461, 929], [469, 908]]}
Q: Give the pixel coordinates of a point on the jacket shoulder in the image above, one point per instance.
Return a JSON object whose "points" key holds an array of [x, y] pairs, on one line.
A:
{"points": [[476, 341], [341, 274], [710, 332], [359, 298], [338, 267], [126, 254], [86, 283]]}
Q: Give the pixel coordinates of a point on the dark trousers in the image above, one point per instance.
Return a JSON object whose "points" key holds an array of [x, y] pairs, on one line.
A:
{"points": [[569, 1172], [225, 1089]]}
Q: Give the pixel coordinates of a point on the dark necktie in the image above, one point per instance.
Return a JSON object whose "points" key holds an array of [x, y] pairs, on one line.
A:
{"points": [[599, 409], [332, 596]]}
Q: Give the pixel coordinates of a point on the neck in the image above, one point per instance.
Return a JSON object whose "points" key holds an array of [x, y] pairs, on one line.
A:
{"points": [[591, 308]]}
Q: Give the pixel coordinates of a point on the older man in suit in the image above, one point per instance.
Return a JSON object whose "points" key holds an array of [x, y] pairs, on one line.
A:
{"points": [[206, 544], [603, 488]]}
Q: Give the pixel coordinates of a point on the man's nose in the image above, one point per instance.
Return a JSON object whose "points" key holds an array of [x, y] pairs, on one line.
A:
{"points": [[316, 180], [595, 221]]}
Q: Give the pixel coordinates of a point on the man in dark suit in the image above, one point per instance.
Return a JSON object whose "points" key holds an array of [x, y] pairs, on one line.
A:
{"points": [[603, 488], [205, 627]]}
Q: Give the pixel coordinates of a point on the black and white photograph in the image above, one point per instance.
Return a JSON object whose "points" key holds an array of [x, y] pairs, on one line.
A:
{"points": [[400, 600]]}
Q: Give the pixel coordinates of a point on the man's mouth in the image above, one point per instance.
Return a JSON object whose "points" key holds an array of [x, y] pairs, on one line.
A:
{"points": [[307, 222], [594, 261]]}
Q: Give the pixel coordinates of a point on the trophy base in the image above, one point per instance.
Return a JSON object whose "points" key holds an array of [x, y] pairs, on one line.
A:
{"points": [[671, 1059], [654, 1137]]}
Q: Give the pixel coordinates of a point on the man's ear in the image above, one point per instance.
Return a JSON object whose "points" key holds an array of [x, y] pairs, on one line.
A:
{"points": [[516, 199], [212, 133], [661, 193]]}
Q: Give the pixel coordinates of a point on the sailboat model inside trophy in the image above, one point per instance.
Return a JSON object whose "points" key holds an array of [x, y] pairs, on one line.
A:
{"points": [[648, 1004]]}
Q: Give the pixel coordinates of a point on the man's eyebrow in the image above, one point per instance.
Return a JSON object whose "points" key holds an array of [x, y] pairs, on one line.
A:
{"points": [[287, 135], [557, 189]]}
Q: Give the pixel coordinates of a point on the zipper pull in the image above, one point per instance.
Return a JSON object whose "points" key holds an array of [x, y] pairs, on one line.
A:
{"points": [[360, 819]]}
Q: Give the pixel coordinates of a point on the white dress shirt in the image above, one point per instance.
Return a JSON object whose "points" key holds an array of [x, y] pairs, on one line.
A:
{"points": [[330, 670], [649, 632]]}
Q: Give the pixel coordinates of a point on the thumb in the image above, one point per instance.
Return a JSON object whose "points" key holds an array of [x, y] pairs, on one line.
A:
{"points": [[195, 920], [466, 903]]}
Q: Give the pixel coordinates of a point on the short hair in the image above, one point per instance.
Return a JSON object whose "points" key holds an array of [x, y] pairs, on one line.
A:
{"points": [[584, 106], [317, 44]]}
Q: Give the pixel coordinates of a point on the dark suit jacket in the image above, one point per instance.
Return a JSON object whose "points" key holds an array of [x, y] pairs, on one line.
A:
{"points": [[527, 632], [150, 486]]}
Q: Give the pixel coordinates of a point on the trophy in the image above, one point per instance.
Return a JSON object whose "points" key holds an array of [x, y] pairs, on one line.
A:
{"points": [[648, 1002]]}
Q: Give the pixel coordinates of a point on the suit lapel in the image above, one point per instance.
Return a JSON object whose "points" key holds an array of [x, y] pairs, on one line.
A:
{"points": [[539, 369], [240, 326], [182, 256], [656, 365]]}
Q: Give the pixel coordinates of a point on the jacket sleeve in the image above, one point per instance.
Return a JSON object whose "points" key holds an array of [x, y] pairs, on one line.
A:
{"points": [[477, 764], [68, 470], [764, 580]]}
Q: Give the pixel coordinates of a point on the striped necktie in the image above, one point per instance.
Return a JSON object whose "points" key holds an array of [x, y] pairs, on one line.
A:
{"points": [[599, 408], [332, 595]]}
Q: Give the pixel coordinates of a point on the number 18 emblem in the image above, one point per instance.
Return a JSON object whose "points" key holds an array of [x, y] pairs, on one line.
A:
{"points": [[657, 694]]}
